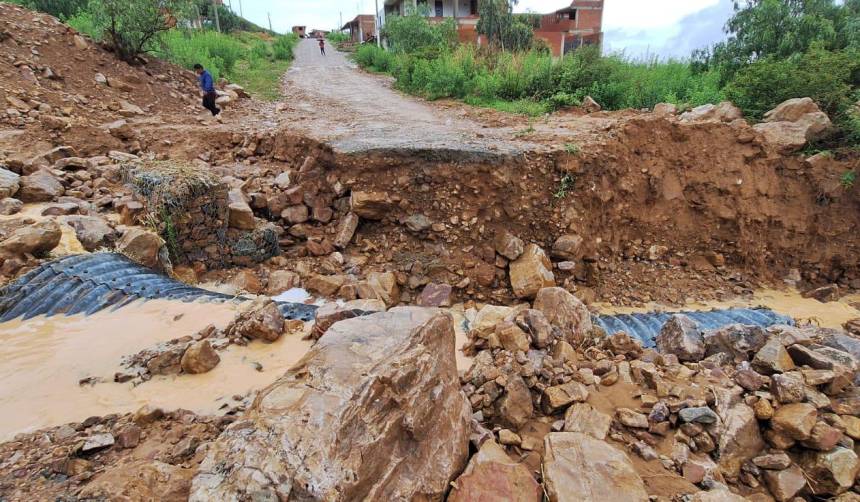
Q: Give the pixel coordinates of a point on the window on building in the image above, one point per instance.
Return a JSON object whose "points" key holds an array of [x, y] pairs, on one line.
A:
{"points": [[572, 15], [440, 8], [473, 7]]}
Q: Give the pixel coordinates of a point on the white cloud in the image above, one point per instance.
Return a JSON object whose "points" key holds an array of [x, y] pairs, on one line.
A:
{"points": [[663, 27]]}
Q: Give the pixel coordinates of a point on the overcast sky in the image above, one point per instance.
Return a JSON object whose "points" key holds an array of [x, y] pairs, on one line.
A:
{"points": [[637, 27]]}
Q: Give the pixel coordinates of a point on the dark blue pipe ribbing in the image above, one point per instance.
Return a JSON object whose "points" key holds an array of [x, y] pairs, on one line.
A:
{"points": [[90, 283]]}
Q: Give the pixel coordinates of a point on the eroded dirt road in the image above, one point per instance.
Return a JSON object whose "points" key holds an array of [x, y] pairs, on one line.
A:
{"points": [[330, 99]]}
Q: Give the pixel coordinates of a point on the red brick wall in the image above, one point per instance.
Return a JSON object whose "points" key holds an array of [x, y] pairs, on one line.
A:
{"points": [[590, 19]]}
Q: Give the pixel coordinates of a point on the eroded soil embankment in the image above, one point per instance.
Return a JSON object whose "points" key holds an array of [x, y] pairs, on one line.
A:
{"points": [[658, 205]]}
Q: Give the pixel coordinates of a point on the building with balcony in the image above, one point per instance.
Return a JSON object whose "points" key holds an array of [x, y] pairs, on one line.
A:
{"points": [[578, 24]]}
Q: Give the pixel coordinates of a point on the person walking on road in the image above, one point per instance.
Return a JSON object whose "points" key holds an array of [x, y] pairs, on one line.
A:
{"points": [[322, 46], [207, 85]]}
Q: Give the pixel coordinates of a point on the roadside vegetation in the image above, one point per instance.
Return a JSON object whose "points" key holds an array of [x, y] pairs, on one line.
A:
{"points": [[775, 50], [183, 32]]}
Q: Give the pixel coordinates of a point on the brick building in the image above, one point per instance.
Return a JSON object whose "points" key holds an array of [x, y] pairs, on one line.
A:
{"points": [[362, 28], [580, 23]]}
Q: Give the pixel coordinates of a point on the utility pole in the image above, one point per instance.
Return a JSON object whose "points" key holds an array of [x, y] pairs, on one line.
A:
{"points": [[241, 14], [376, 18], [217, 21], [270, 21], [341, 21]]}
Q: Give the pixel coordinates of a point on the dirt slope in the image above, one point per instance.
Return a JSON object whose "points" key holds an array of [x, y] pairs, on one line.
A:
{"points": [[49, 92]]}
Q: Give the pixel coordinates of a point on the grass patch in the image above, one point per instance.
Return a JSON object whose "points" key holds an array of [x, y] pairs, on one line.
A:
{"points": [[526, 107], [564, 186], [261, 79], [571, 148]]}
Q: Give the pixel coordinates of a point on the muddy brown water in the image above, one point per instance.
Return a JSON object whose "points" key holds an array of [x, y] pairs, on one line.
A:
{"points": [[43, 359]]}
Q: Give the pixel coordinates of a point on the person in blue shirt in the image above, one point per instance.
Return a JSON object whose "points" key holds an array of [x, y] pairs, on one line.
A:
{"points": [[207, 85]]}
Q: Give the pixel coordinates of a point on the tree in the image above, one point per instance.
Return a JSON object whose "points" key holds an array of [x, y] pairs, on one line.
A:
{"points": [[132, 25], [502, 29], [780, 29]]}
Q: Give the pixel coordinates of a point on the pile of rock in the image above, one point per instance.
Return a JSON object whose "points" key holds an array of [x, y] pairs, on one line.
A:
{"points": [[527, 361], [147, 455], [306, 204], [758, 410], [782, 410]]}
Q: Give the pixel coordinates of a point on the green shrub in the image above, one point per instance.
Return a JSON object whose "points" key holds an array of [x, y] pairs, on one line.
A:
{"points": [[215, 51], [84, 23], [825, 76], [337, 37], [374, 58], [283, 47]]}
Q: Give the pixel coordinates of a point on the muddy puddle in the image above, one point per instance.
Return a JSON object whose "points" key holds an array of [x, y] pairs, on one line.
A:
{"points": [[787, 302], [43, 359]]}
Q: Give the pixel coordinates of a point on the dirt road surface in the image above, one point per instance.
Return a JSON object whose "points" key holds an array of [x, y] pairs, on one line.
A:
{"points": [[330, 99]]}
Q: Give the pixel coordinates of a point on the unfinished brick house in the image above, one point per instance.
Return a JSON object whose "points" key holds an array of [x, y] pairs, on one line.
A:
{"points": [[580, 23], [362, 28]]}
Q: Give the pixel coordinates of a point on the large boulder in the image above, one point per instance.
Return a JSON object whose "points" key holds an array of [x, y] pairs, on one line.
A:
{"points": [[262, 320], [374, 411], [830, 472], [371, 205], [723, 112], [515, 407], [36, 239], [791, 110], [772, 358], [793, 123], [492, 476], [739, 440], [531, 272], [10, 206], [40, 186], [240, 214], [566, 312], [567, 247], [9, 183], [141, 246], [579, 468], [92, 231], [346, 230], [508, 245], [682, 337], [739, 341], [199, 357], [787, 137]]}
